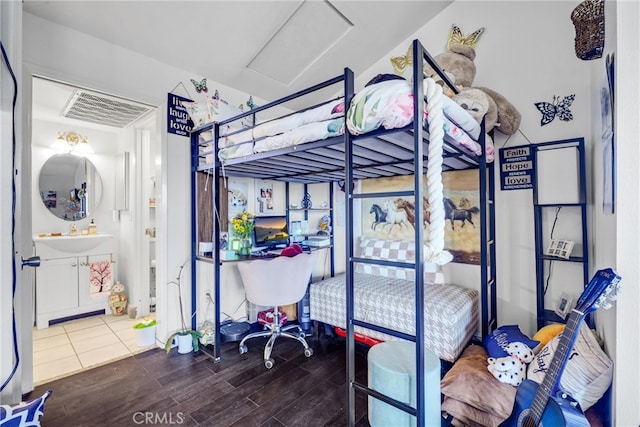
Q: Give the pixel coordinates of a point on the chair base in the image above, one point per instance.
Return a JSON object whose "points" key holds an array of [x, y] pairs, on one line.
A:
{"points": [[275, 330]]}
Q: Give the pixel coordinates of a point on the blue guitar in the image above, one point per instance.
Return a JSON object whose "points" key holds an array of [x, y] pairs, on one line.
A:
{"points": [[546, 404]]}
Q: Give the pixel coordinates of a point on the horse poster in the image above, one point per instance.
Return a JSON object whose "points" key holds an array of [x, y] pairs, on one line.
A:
{"points": [[394, 218]]}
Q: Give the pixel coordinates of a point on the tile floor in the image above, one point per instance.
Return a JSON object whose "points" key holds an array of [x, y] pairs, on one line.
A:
{"points": [[70, 347]]}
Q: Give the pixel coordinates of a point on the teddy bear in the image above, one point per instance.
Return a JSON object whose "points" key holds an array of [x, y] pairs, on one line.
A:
{"points": [[458, 64], [511, 369]]}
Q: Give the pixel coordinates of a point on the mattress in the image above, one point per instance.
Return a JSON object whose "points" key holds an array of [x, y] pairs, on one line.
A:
{"points": [[451, 312], [389, 105], [314, 124]]}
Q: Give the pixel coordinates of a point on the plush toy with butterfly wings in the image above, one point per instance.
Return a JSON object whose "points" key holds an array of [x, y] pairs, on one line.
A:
{"points": [[457, 62]]}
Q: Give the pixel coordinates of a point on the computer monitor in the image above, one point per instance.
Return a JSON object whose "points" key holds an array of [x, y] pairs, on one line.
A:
{"points": [[270, 231]]}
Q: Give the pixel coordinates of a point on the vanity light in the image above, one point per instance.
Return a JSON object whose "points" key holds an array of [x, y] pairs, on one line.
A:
{"points": [[72, 142]]}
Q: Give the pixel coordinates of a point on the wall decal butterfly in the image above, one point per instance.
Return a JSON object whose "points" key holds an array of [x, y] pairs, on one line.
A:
{"points": [[250, 103], [456, 37], [557, 107], [400, 63], [200, 86]]}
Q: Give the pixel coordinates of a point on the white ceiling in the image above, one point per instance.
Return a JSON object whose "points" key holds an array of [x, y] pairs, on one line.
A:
{"points": [[265, 48]]}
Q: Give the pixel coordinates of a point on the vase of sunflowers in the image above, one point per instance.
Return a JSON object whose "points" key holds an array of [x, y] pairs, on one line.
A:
{"points": [[243, 226]]}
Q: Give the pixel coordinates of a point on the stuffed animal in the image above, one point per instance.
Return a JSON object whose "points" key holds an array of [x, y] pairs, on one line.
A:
{"points": [[511, 369], [118, 300], [459, 66]]}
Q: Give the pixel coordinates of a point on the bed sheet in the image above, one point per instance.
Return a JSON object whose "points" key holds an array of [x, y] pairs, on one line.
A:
{"points": [[306, 133], [389, 104], [451, 312]]}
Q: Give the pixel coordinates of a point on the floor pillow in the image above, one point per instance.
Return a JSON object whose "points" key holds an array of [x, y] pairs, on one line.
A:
{"points": [[24, 414], [588, 372]]}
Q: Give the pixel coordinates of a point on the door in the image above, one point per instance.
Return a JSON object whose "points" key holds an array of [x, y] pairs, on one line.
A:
{"points": [[16, 284]]}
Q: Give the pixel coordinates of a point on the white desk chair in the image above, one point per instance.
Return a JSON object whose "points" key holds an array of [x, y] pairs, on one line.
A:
{"points": [[274, 283]]}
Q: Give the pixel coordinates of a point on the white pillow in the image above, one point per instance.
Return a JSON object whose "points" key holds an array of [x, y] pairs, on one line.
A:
{"points": [[588, 372], [198, 112]]}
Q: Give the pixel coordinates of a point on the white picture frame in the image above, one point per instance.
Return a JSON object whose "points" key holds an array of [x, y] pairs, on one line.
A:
{"points": [[560, 248]]}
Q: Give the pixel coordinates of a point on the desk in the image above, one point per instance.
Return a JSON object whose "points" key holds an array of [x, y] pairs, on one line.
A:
{"points": [[228, 292], [231, 256]]}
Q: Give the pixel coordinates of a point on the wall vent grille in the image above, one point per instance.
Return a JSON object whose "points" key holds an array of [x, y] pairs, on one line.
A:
{"points": [[104, 109]]}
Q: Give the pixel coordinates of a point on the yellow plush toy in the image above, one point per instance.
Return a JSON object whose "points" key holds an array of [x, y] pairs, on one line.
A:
{"points": [[547, 333]]}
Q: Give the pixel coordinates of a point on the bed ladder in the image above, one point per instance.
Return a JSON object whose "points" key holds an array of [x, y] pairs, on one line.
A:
{"points": [[488, 259], [352, 385]]}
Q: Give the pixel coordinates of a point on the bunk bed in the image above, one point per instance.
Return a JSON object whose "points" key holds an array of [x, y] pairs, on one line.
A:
{"points": [[350, 140]]}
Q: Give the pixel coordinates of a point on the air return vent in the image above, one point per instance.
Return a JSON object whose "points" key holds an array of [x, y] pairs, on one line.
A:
{"points": [[103, 109]]}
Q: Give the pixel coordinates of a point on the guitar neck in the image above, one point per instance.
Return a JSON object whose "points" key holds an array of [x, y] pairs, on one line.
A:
{"points": [[558, 362]]}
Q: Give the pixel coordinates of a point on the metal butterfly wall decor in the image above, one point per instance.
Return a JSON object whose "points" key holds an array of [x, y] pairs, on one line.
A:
{"points": [[456, 37], [400, 63], [201, 86], [557, 108]]}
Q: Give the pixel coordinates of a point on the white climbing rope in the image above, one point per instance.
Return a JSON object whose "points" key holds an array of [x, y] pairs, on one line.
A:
{"points": [[435, 252]]}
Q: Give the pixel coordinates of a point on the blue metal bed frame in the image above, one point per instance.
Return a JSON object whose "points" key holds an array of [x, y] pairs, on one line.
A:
{"points": [[344, 158]]}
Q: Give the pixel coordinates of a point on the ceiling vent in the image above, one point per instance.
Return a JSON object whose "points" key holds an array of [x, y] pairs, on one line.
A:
{"points": [[104, 109]]}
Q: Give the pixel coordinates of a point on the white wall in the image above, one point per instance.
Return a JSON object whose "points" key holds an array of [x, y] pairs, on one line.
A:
{"points": [[627, 229]]}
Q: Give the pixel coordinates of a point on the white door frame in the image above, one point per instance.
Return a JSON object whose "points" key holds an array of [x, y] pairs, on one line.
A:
{"points": [[16, 357]]}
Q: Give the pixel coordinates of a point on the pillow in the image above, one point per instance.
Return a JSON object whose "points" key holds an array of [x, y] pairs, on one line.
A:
{"points": [[546, 333], [219, 110], [292, 250], [469, 381], [198, 112], [496, 343], [388, 250], [467, 415], [25, 413], [587, 374]]}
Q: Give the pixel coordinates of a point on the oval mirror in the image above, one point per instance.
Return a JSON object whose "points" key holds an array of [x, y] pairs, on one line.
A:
{"points": [[70, 186]]}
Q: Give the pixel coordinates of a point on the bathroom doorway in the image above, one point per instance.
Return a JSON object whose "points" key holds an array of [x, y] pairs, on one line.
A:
{"points": [[123, 138]]}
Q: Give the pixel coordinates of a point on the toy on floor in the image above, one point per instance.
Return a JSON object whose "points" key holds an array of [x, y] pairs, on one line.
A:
{"points": [[512, 369]]}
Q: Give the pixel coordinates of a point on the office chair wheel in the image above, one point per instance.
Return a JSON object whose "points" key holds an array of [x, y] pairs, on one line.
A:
{"points": [[243, 349], [308, 352], [269, 363]]}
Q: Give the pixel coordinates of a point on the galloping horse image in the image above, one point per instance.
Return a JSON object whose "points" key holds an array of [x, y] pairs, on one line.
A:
{"points": [[381, 216], [410, 211], [393, 216], [453, 213]]}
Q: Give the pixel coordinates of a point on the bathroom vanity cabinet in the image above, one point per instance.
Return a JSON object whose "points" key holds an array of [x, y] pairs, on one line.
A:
{"points": [[74, 277]]}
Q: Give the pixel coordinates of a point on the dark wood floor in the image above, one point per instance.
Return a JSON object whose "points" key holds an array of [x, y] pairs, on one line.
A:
{"points": [[154, 388]]}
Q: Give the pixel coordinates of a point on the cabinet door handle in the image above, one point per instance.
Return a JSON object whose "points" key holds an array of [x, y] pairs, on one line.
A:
{"points": [[74, 265]]}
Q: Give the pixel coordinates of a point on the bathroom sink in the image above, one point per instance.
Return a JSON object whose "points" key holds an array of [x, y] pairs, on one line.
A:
{"points": [[73, 244]]}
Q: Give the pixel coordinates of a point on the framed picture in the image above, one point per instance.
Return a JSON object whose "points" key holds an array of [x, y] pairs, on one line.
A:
{"points": [[238, 199], [224, 240], [264, 196], [394, 218]]}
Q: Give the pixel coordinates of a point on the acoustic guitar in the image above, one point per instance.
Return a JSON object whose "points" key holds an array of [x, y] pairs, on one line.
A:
{"points": [[546, 404]]}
